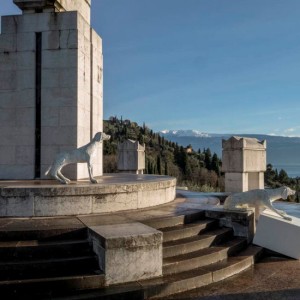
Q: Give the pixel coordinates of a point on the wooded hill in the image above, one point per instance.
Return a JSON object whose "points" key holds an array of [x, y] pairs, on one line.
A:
{"points": [[199, 170]]}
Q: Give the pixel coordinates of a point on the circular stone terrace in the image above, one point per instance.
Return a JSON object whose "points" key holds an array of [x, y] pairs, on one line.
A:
{"points": [[112, 193]]}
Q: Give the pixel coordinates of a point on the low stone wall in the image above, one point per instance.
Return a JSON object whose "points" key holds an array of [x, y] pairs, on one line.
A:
{"points": [[114, 193], [242, 223]]}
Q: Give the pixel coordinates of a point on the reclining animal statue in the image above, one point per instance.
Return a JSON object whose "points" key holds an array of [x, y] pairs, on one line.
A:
{"points": [[83, 154], [259, 199]]}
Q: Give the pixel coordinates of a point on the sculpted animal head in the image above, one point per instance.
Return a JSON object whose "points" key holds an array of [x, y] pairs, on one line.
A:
{"points": [[287, 192], [101, 136]]}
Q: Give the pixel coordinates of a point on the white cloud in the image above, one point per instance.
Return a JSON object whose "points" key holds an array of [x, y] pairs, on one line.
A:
{"points": [[290, 129]]}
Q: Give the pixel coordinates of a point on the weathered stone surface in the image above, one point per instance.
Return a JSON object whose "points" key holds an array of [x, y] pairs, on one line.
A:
{"points": [[242, 223], [131, 157], [71, 91], [128, 252], [244, 163], [113, 193]]}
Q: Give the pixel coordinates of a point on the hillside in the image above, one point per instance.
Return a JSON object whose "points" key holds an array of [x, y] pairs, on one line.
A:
{"points": [[199, 170]]}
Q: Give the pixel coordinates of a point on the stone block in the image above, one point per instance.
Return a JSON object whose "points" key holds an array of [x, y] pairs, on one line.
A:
{"points": [[148, 198], [84, 27], [50, 116], [59, 136], [55, 78], [7, 100], [128, 252], [68, 39], [25, 41], [124, 201], [8, 117], [236, 182], [277, 234], [20, 207], [48, 154], [25, 116], [39, 22], [59, 97], [24, 155], [50, 206], [16, 172], [242, 154], [8, 42], [83, 7], [8, 24], [25, 60], [8, 61], [51, 40], [68, 116], [242, 223], [60, 59], [96, 40], [25, 79], [8, 80], [24, 98], [7, 155]]}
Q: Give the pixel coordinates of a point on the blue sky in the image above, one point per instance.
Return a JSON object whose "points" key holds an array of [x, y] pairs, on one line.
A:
{"points": [[217, 66]]}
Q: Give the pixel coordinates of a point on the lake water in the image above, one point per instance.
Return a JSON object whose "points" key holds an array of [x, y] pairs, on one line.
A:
{"points": [[292, 170]]}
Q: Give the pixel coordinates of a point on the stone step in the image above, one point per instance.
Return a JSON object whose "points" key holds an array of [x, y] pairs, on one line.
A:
{"points": [[40, 288], [159, 288], [44, 234], [14, 270], [196, 278], [187, 230], [40, 249], [203, 257], [196, 242], [186, 218], [128, 291]]}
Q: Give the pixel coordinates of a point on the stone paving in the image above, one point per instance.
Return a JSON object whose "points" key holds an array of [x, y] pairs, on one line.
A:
{"points": [[272, 278]]}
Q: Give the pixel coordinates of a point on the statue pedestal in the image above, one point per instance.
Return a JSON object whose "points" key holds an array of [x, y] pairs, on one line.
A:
{"points": [[278, 235]]}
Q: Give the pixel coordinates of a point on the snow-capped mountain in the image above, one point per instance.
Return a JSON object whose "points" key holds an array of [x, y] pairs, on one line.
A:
{"points": [[181, 133]]}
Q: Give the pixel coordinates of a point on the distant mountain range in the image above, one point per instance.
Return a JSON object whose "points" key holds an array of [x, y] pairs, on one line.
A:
{"points": [[282, 152]]}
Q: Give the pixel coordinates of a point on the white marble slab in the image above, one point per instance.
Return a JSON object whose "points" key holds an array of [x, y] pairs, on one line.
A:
{"points": [[279, 235]]}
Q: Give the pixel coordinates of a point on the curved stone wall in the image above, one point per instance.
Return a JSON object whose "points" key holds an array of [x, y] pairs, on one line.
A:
{"points": [[115, 192]]}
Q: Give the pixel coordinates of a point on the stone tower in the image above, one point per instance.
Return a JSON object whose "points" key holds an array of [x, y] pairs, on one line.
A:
{"points": [[51, 69], [244, 163]]}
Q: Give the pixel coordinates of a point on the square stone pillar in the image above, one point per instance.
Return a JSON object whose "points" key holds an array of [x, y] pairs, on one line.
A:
{"points": [[127, 252], [51, 87], [244, 163], [131, 157]]}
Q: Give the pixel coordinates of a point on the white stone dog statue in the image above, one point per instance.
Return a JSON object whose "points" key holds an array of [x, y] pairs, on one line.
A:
{"points": [[259, 199], [83, 154]]}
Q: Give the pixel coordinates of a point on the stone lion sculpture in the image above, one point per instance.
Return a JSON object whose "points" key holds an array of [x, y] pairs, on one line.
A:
{"points": [[259, 199], [83, 154]]}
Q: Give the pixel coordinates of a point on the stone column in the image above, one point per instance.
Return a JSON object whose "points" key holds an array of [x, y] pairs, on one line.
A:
{"points": [[131, 157], [244, 163], [50, 87]]}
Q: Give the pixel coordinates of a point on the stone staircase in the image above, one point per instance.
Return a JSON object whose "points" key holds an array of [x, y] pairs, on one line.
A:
{"points": [[60, 264], [197, 252], [38, 264]]}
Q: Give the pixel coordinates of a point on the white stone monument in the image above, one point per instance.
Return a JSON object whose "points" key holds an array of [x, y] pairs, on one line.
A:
{"points": [[244, 163], [50, 87], [131, 157]]}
